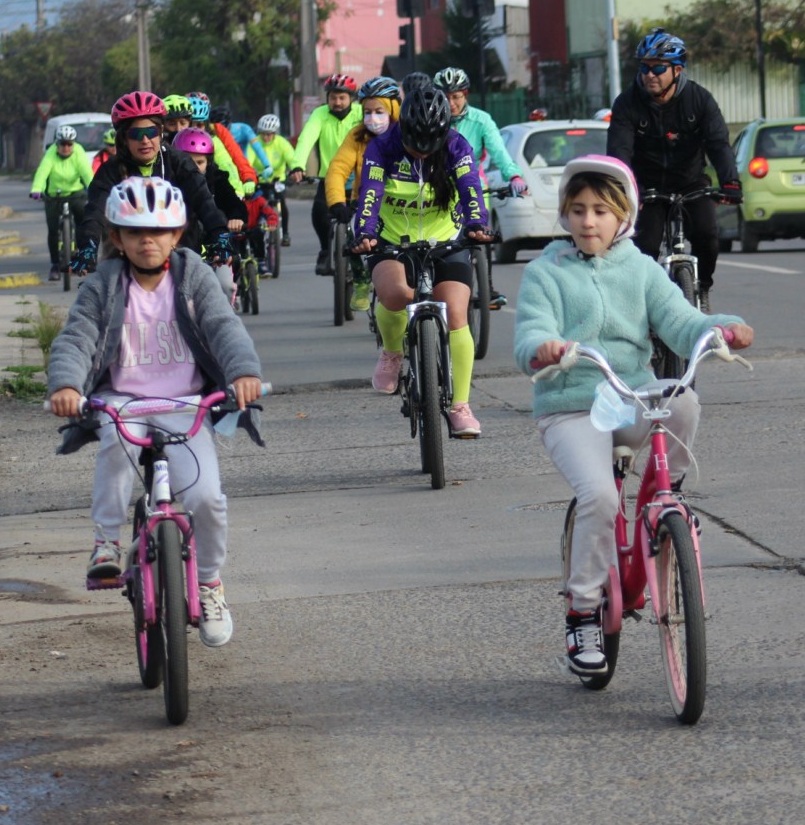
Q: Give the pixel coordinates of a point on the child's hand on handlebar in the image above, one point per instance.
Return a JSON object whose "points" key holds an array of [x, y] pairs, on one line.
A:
{"points": [[247, 388], [64, 402], [743, 336], [548, 353], [363, 244]]}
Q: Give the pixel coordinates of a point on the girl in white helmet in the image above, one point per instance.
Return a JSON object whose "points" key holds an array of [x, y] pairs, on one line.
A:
{"points": [[597, 288], [154, 322]]}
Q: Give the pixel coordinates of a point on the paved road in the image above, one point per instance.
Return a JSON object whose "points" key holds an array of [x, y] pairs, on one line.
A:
{"points": [[394, 653]]}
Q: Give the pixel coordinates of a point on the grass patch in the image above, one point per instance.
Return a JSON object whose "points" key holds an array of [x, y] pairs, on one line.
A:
{"points": [[21, 333], [23, 319], [47, 327], [23, 386]]}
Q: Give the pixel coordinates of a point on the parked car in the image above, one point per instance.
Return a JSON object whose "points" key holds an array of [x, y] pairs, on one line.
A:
{"points": [[770, 155], [541, 149], [89, 127]]}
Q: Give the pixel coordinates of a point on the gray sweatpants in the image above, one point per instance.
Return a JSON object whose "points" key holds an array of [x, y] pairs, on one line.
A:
{"points": [[194, 479], [583, 455]]}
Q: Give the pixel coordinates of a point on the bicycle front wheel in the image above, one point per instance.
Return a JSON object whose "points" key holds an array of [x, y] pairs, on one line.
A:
{"points": [[253, 281], [173, 621], [612, 641], [429, 403], [340, 264], [478, 315], [65, 249], [273, 252], [680, 614]]}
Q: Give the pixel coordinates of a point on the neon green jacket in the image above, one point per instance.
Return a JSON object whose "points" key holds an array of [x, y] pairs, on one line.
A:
{"points": [[328, 131], [223, 160], [68, 175], [280, 156]]}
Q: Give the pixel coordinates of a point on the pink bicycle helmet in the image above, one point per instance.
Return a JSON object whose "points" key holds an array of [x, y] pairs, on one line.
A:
{"points": [[614, 168], [195, 141], [146, 203], [137, 104]]}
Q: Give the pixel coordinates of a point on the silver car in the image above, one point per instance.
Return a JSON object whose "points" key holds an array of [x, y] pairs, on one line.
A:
{"points": [[541, 149]]}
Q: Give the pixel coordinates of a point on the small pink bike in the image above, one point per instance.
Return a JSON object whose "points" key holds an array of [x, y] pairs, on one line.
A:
{"points": [[160, 578], [663, 552]]}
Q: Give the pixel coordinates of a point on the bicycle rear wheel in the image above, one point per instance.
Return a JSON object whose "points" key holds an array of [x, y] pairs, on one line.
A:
{"points": [[273, 252], [612, 641], [681, 619], [478, 314], [150, 649], [341, 310], [173, 621], [429, 403]]}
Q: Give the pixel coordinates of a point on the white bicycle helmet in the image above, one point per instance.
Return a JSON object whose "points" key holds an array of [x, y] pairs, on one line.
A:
{"points": [[146, 203], [66, 133], [268, 123], [614, 168]]}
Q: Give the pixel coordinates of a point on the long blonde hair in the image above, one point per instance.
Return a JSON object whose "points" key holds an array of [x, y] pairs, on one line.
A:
{"points": [[605, 187]]}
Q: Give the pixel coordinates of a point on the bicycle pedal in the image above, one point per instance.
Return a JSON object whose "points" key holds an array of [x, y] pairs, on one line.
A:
{"points": [[113, 583]]}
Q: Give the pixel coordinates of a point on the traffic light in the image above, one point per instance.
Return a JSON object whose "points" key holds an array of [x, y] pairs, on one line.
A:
{"points": [[407, 45], [410, 8]]}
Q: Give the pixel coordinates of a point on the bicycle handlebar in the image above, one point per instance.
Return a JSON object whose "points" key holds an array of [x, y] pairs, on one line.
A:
{"points": [[653, 196], [715, 341], [161, 406]]}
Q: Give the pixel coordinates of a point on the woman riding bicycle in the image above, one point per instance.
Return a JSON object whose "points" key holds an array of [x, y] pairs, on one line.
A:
{"points": [[153, 322], [380, 99], [417, 180], [598, 289]]}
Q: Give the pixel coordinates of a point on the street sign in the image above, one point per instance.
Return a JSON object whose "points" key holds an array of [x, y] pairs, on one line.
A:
{"points": [[43, 107]]}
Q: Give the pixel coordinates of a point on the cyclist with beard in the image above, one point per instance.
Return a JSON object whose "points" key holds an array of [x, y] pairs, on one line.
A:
{"points": [[662, 126], [326, 128]]}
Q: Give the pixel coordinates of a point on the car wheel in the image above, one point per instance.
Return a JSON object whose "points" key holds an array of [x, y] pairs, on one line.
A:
{"points": [[505, 253], [749, 238]]}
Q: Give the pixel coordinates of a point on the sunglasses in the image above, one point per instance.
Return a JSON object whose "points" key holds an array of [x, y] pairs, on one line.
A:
{"points": [[137, 133], [65, 143], [659, 69]]}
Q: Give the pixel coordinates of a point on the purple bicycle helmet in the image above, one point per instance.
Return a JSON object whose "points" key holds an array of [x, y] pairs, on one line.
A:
{"points": [[195, 141]]}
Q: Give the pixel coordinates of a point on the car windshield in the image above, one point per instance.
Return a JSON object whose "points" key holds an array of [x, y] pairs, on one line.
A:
{"points": [[781, 141], [555, 147], [90, 135]]}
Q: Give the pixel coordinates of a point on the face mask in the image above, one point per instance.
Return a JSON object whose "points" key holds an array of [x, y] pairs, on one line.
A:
{"points": [[376, 123]]}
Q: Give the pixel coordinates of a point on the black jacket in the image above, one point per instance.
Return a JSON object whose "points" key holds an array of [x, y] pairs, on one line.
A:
{"points": [[226, 199], [665, 145], [173, 166]]}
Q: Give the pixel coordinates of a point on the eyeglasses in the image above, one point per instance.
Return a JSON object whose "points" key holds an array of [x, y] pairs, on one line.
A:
{"points": [[659, 69], [65, 143], [137, 133]]}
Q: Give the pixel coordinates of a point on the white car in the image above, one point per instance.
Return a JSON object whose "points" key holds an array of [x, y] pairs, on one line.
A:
{"points": [[89, 127], [541, 149]]}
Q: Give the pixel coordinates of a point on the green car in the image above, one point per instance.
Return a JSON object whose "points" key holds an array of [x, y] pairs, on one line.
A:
{"points": [[770, 155]]}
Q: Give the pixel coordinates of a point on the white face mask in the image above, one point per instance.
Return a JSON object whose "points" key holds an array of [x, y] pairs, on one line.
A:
{"points": [[376, 123]]}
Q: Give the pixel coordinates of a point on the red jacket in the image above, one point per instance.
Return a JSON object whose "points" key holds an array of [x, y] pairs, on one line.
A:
{"points": [[245, 170]]}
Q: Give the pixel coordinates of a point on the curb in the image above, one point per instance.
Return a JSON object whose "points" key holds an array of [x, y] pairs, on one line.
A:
{"points": [[20, 279]]}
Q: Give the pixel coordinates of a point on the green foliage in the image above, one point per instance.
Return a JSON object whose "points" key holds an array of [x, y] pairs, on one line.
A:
{"points": [[47, 327]]}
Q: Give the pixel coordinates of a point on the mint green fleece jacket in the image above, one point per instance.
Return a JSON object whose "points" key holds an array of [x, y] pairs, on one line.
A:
{"points": [[608, 303]]}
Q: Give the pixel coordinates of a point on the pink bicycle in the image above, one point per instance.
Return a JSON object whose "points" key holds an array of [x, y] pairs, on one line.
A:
{"points": [[663, 552], [160, 578]]}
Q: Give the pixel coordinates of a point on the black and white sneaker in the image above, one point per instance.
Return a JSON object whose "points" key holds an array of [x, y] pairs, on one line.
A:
{"points": [[585, 643]]}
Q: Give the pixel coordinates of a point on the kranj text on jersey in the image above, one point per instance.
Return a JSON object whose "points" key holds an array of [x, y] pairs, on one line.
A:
{"points": [[394, 199]]}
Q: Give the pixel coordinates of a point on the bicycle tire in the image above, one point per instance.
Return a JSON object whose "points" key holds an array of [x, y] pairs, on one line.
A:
{"points": [[150, 647], [682, 276], [612, 641], [253, 280], [478, 314], [667, 364], [273, 252], [173, 621], [66, 245], [243, 291], [680, 612], [340, 264], [429, 403]]}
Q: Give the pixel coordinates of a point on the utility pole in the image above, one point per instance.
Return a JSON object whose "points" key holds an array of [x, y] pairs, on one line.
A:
{"points": [[761, 58], [143, 50], [40, 15], [310, 72], [612, 53]]}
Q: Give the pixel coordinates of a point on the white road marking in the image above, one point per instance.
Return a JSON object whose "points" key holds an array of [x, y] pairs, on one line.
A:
{"points": [[779, 270]]}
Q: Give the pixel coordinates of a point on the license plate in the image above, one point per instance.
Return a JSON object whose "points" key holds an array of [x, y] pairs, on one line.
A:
{"points": [[798, 179]]}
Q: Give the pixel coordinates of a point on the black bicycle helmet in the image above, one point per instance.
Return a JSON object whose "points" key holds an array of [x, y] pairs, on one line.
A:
{"points": [[415, 80], [425, 120], [220, 114]]}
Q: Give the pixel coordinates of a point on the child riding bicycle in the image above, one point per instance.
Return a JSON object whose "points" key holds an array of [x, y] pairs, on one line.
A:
{"points": [[153, 322], [598, 289]]}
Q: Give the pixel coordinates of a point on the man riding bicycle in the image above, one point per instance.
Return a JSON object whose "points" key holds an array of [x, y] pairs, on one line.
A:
{"points": [[326, 128], [663, 126]]}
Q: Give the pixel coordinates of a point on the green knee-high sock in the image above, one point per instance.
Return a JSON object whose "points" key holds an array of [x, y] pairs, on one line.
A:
{"points": [[392, 327], [462, 354]]}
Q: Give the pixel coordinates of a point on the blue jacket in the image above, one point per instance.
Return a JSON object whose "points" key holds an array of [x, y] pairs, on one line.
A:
{"points": [[608, 303]]}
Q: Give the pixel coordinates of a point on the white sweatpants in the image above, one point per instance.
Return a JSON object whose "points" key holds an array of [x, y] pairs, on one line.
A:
{"points": [[583, 455], [194, 479]]}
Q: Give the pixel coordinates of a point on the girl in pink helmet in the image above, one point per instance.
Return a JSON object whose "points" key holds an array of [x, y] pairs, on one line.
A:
{"points": [[597, 288]]}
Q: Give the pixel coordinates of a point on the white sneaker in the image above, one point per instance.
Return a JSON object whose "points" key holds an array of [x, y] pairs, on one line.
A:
{"points": [[585, 643], [215, 624]]}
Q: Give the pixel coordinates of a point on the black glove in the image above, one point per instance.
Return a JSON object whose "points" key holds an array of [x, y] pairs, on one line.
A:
{"points": [[85, 258], [731, 192], [220, 250], [341, 212]]}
